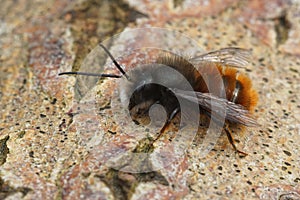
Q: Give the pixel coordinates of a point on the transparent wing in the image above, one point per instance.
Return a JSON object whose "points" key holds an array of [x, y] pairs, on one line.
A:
{"points": [[235, 57], [234, 112]]}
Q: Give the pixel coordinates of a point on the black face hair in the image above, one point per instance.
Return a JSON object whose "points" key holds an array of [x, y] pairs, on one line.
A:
{"points": [[101, 75]]}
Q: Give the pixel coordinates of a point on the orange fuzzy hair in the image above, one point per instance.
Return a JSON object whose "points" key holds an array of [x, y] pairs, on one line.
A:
{"points": [[248, 97]]}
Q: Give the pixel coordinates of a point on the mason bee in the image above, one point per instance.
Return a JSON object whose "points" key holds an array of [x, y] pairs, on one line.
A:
{"points": [[240, 98]]}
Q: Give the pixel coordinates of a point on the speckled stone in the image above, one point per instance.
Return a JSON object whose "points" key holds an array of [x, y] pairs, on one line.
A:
{"points": [[55, 141]]}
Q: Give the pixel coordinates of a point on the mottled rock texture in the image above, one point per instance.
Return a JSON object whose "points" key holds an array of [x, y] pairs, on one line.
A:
{"points": [[52, 146]]}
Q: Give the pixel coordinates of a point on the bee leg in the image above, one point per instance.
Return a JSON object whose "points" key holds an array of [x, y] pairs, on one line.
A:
{"points": [[163, 129], [230, 138], [228, 133]]}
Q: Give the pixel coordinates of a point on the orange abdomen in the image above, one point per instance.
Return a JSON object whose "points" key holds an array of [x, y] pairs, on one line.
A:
{"points": [[238, 87]]}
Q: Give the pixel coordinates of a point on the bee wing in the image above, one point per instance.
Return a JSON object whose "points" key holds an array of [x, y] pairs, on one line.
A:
{"points": [[233, 56], [234, 112]]}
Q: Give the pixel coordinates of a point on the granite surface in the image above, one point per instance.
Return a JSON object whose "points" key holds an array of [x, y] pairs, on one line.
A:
{"points": [[57, 133]]}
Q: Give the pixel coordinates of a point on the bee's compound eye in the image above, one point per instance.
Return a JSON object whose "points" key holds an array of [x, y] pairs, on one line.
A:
{"points": [[136, 122], [139, 111], [158, 115]]}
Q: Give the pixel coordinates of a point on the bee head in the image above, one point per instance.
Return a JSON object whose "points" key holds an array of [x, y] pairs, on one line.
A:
{"points": [[148, 85]]}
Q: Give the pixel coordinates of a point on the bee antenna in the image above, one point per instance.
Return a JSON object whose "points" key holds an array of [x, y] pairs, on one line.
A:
{"points": [[101, 75], [90, 74], [114, 60]]}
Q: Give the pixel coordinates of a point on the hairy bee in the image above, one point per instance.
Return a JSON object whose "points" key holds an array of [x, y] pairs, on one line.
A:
{"points": [[240, 98]]}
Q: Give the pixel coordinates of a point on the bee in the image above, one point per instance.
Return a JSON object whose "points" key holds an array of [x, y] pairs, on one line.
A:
{"points": [[240, 98]]}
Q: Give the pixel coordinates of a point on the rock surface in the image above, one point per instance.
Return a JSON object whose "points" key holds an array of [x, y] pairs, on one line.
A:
{"points": [[55, 140]]}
